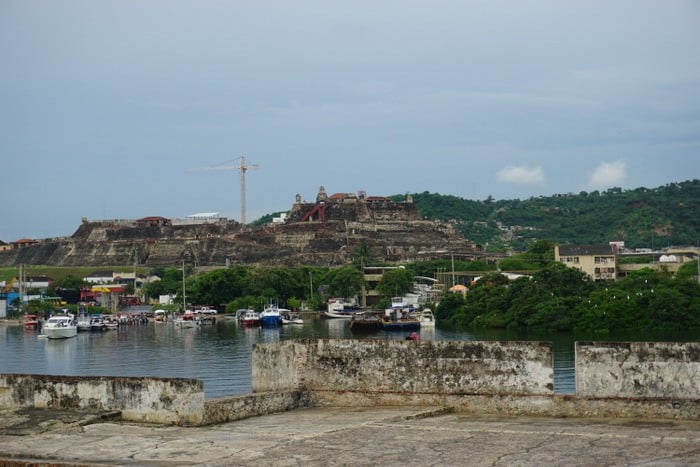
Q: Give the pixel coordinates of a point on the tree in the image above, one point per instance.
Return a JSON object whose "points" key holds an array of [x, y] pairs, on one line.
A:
{"points": [[362, 254], [219, 286], [69, 288], [346, 282], [395, 282]]}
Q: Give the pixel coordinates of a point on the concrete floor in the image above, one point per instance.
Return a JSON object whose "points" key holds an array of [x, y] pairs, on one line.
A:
{"points": [[351, 436]]}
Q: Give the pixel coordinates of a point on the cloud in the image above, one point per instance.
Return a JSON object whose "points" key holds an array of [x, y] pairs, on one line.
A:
{"points": [[607, 175], [521, 175]]}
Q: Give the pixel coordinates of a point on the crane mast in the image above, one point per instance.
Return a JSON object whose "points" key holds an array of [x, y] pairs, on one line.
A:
{"points": [[243, 167]]}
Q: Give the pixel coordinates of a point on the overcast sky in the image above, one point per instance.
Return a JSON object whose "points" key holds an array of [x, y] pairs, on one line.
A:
{"points": [[106, 107]]}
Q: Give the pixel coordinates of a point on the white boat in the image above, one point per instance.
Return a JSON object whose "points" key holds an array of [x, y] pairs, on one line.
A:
{"points": [[60, 327], [84, 323], [339, 308], [187, 320], [426, 318], [292, 318]]}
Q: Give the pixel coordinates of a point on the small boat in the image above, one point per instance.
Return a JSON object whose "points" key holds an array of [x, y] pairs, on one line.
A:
{"points": [[84, 323], [339, 308], [426, 318], [30, 322], [272, 316], [292, 318], [97, 323], [187, 320], [60, 327], [160, 316], [365, 322], [251, 318]]}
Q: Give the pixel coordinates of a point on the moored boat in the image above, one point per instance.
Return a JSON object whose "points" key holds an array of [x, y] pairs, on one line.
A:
{"points": [[292, 318], [60, 327], [187, 320], [399, 318], [403, 324], [339, 308], [426, 318], [84, 322], [250, 318], [272, 316], [365, 322], [30, 322]]}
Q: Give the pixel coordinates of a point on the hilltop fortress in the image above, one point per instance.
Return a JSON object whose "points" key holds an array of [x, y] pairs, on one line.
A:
{"points": [[321, 233]]}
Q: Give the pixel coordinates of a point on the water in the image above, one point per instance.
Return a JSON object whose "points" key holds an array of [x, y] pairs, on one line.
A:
{"points": [[220, 355]]}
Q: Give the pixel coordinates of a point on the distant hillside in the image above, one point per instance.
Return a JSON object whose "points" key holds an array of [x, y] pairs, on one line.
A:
{"points": [[643, 217]]}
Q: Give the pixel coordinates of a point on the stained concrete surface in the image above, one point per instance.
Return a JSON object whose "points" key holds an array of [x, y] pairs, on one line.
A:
{"points": [[361, 436]]}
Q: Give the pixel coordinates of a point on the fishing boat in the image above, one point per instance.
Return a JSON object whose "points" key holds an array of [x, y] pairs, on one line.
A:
{"points": [[60, 327], [272, 316], [250, 318]]}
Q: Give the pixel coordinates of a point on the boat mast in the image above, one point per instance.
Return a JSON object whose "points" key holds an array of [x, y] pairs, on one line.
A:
{"points": [[184, 300]]}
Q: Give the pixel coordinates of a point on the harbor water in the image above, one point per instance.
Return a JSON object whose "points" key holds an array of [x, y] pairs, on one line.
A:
{"points": [[220, 354]]}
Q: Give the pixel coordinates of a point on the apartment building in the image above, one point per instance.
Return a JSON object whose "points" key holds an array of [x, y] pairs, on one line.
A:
{"points": [[599, 262]]}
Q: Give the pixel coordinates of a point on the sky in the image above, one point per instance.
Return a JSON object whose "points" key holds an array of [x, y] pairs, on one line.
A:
{"points": [[132, 108]]}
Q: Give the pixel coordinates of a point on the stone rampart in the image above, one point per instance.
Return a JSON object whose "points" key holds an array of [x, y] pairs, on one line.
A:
{"points": [[152, 400], [656, 370], [405, 367], [626, 380]]}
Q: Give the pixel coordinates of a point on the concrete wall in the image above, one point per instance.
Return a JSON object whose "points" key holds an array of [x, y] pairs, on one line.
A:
{"points": [[661, 370], [227, 409], [152, 400], [405, 367]]}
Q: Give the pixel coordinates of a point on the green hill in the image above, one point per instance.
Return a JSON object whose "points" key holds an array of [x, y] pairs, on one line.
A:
{"points": [[642, 217]]}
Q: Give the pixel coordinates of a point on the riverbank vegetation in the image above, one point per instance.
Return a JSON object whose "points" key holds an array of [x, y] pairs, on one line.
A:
{"points": [[563, 299]]}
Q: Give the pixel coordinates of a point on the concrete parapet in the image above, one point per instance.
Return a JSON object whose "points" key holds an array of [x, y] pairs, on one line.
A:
{"points": [[228, 409], [655, 370], [519, 405], [405, 367], [167, 401]]}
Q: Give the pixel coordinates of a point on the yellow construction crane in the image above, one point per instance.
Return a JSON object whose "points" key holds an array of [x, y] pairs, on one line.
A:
{"points": [[242, 167]]}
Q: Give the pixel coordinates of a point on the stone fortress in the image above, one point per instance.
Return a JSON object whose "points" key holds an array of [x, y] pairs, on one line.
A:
{"points": [[320, 233]]}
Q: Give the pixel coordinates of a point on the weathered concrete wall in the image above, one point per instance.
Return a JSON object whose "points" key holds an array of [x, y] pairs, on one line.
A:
{"points": [[228, 409], [152, 400], [513, 406], [661, 370], [405, 367]]}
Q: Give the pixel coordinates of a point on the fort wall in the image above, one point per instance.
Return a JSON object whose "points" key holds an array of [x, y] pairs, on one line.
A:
{"points": [[167, 401], [659, 370], [626, 380]]}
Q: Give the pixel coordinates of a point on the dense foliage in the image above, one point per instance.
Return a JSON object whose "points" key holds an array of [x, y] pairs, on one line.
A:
{"points": [[641, 217], [561, 298]]}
